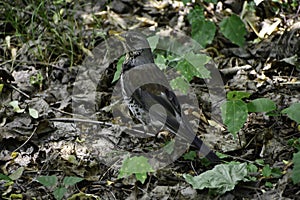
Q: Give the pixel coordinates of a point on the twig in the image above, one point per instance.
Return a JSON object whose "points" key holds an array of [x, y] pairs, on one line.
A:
{"points": [[70, 120], [74, 120], [235, 69], [18, 90], [26, 140]]}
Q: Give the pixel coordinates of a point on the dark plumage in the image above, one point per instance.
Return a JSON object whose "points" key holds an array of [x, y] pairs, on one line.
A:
{"points": [[145, 85]]}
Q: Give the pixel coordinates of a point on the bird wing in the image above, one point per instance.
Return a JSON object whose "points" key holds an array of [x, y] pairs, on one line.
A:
{"points": [[153, 94]]}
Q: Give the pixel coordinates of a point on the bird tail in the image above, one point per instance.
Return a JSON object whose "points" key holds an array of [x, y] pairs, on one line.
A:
{"points": [[203, 149]]}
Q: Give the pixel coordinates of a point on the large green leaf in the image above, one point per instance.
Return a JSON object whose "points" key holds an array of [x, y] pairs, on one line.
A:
{"points": [[261, 105], [196, 14], [59, 193], [193, 66], [16, 174], [293, 112], [296, 169], [47, 181], [137, 165], [203, 32], [71, 180], [153, 41], [180, 84], [234, 29], [221, 178], [234, 115]]}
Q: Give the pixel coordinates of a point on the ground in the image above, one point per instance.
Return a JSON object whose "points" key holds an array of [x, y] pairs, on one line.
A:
{"points": [[61, 113]]}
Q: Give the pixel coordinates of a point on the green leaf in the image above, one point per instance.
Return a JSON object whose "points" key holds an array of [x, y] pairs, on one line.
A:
{"points": [[71, 180], [293, 112], [161, 61], [16, 196], [252, 168], [199, 61], [137, 165], [260, 162], [234, 115], [185, 1], [196, 14], [59, 193], [180, 84], [119, 69], [296, 169], [36, 79], [17, 174], [276, 172], [186, 69], [33, 113], [1, 88], [261, 105], [153, 41], [221, 178], [169, 148], [193, 65], [190, 155], [268, 184], [47, 181], [237, 95], [294, 142], [203, 31], [4, 177], [266, 171], [234, 29], [141, 177], [15, 105]]}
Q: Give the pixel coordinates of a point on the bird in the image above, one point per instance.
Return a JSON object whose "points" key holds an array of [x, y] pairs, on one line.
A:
{"points": [[148, 95]]}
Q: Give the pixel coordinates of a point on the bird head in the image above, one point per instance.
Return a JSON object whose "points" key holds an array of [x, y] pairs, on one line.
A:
{"points": [[138, 51], [135, 41]]}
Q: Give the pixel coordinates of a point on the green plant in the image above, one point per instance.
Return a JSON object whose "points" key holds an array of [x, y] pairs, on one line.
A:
{"points": [[203, 30], [46, 30], [32, 112], [293, 112], [268, 172], [296, 169], [16, 108], [296, 160], [37, 79], [137, 165], [9, 180], [191, 155], [235, 110], [60, 190], [221, 178]]}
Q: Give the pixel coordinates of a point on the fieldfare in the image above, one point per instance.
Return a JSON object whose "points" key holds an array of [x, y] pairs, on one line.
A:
{"points": [[149, 96]]}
